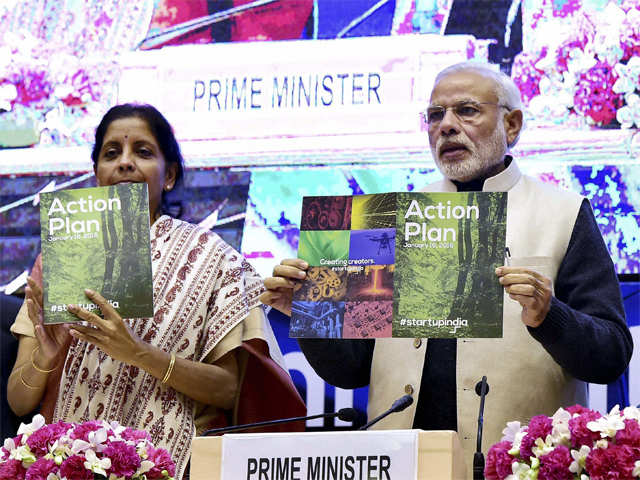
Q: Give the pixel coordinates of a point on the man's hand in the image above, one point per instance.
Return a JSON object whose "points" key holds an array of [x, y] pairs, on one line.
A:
{"points": [[529, 288], [280, 287]]}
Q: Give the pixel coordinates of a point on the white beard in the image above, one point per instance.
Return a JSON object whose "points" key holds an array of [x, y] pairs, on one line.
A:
{"points": [[483, 157]]}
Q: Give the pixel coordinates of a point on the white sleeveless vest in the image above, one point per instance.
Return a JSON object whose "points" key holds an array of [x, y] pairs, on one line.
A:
{"points": [[524, 379]]}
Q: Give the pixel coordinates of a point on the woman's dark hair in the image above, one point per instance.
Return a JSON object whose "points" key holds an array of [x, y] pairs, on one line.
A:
{"points": [[161, 130]]}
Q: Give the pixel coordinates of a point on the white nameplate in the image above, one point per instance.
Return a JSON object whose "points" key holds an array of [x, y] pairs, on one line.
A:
{"points": [[374, 455]]}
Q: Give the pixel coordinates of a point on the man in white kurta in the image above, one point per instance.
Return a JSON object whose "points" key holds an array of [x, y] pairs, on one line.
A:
{"points": [[564, 323]]}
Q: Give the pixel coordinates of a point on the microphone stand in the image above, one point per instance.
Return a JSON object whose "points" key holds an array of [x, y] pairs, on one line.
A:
{"points": [[482, 388], [346, 414], [398, 406]]}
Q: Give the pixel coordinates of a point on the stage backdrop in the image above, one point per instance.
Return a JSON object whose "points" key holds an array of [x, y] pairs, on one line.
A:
{"points": [[274, 100]]}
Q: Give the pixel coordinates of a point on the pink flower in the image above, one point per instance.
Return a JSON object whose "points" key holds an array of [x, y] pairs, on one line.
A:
{"points": [[124, 459], [40, 440], [121, 455], [630, 46], [41, 469], [12, 470], [577, 42], [555, 465], [73, 467], [630, 435], [612, 463], [580, 434], [160, 457], [577, 409], [539, 427], [526, 76], [498, 464], [135, 435], [594, 96], [81, 432], [33, 86]]}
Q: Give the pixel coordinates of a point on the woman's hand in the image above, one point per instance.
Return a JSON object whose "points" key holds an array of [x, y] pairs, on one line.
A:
{"points": [[280, 287], [110, 334], [114, 337], [51, 338]]}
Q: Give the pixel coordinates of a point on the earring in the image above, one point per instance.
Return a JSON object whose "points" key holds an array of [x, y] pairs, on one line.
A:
{"points": [[167, 188]]}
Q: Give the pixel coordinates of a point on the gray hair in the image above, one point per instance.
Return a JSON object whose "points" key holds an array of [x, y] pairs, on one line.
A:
{"points": [[506, 90]]}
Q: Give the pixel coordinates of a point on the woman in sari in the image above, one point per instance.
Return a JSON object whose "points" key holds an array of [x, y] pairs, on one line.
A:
{"points": [[205, 357]]}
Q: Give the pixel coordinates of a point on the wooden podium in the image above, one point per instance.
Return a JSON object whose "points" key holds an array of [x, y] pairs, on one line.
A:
{"points": [[439, 456]]}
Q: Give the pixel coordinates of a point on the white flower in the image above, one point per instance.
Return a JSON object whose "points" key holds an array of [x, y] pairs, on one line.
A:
{"points": [[632, 413], [602, 443], [510, 431], [629, 115], [97, 441], [522, 471], [628, 74], [579, 459], [141, 449], [8, 92], [580, 61], [145, 466], [542, 447], [561, 415], [27, 429], [95, 464], [560, 434], [608, 425], [636, 469], [9, 444], [23, 453], [117, 428], [60, 450], [612, 16], [517, 441]]}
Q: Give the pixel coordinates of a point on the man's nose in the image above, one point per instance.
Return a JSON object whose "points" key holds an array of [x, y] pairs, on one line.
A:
{"points": [[450, 124]]}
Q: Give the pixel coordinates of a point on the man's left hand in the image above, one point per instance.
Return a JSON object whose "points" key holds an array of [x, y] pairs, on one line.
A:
{"points": [[529, 288]]}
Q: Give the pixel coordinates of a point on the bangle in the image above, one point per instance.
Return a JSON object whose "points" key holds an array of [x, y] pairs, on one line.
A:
{"points": [[33, 364], [172, 362], [25, 383]]}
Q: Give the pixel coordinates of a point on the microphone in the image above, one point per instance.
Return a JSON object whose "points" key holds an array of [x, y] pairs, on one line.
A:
{"points": [[482, 388], [398, 406], [344, 414]]}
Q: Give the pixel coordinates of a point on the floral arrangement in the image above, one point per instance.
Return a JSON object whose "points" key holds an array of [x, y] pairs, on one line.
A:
{"points": [[575, 444], [583, 65], [44, 85], [86, 451]]}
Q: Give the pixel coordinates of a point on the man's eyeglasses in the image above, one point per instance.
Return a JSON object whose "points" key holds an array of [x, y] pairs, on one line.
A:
{"points": [[466, 112]]}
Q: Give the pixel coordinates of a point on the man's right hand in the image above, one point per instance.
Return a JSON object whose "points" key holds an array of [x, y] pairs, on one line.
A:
{"points": [[280, 287]]}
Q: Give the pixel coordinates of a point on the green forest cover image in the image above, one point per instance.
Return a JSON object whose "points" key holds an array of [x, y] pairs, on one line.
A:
{"points": [[96, 238], [448, 246]]}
